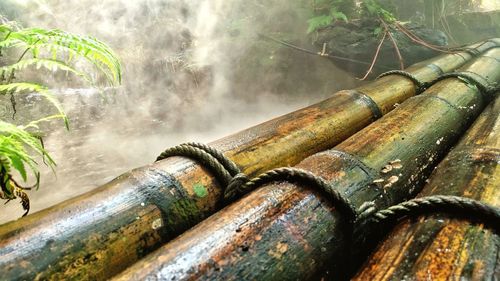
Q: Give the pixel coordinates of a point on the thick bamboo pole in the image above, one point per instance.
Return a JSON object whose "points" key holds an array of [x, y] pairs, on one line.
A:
{"points": [[438, 247], [98, 234], [287, 231]]}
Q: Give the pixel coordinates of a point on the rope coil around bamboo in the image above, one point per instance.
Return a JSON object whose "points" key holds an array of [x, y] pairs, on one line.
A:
{"points": [[471, 51], [224, 169], [367, 216], [441, 203], [474, 52], [454, 206], [288, 174], [487, 89], [367, 212], [420, 86]]}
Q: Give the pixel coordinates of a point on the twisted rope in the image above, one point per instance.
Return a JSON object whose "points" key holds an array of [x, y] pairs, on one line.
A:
{"points": [[226, 162], [367, 214], [223, 168], [420, 86], [453, 205], [487, 89], [342, 203], [471, 51]]}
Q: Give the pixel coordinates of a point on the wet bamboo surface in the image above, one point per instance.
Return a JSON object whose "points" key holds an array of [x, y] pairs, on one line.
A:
{"points": [[100, 233], [440, 247], [286, 231]]}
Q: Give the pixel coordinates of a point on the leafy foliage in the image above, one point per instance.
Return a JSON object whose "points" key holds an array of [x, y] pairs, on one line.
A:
{"points": [[373, 9], [52, 50], [321, 21], [14, 155], [327, 12], [20, 87], [55, 41]]}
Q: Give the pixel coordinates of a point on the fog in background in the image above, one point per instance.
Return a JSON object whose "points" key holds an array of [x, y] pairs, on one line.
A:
{"points": [[193, 71]]}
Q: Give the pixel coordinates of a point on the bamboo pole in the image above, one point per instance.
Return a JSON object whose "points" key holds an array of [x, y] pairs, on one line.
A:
{"points": [[286, 231], [100, 233], [437, 247]]}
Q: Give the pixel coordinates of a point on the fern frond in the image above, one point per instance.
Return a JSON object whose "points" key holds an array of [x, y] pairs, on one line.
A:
{"points": [[319, 22], [20, 87], [89, 48], [75, 53], [34, 124], [49, 64], [15, 156], [13, 143], [16, 147], [46, 47]]}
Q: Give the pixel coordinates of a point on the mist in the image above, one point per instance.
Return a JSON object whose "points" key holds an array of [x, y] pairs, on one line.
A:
{"points": [[193, 71]]}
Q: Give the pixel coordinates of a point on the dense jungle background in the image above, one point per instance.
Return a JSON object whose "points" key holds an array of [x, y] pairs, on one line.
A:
{"points": [[200, 70]]}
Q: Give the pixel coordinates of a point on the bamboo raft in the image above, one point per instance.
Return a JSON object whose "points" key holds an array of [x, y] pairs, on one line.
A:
{"points": [[283, 230]]}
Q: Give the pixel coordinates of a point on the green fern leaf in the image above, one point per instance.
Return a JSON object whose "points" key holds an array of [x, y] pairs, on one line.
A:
{"points": [[49, 64], [18, 164], [13, 139], [337, 15], [17, 144], [94, 51], [319, 22], [16, 88]]}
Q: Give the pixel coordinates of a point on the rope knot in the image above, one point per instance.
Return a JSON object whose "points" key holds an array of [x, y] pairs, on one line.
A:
{"points": [[234, 186], [366, 210], [225, 170]]}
